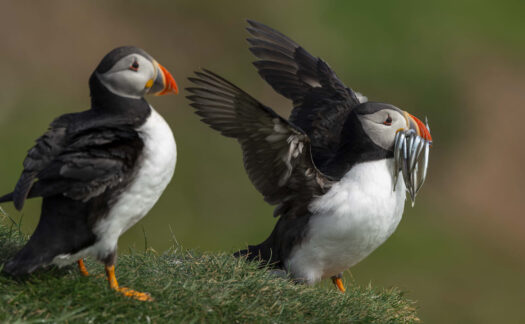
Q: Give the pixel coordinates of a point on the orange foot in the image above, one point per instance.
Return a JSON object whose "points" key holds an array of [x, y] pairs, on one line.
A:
{"points": [[142, 296], [113, 284], [82, 268], [338, 282]]}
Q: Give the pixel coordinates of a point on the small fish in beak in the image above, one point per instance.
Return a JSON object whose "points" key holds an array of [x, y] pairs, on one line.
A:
{"points": [[411, 152]]}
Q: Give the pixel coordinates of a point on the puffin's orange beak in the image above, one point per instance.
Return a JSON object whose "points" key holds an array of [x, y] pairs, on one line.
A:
{"points": [[169, 82], [419, 127], [164, 82]]}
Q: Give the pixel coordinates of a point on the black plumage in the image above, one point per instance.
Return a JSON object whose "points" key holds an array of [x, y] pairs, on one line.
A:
{"points": [[291, 162], [84, 164], [276, 154], [321, 101], [79, 166]]}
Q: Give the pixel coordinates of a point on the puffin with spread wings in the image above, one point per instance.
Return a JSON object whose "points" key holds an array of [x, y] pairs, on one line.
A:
{"points": [[338, 170], [98, 171]]}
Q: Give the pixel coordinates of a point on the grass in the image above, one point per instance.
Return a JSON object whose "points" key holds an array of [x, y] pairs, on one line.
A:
{"points": [[188, 287]]}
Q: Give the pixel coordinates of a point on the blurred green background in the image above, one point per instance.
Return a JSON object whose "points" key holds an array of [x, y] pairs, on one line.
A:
{"points": [[460, 252]]}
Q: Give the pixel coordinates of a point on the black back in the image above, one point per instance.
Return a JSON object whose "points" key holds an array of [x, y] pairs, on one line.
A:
{"points": [[80, 166], [321, 101]]}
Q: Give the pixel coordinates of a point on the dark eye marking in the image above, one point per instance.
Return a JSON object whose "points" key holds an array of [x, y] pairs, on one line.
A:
{"points": [[388, 121], [134, 66]]}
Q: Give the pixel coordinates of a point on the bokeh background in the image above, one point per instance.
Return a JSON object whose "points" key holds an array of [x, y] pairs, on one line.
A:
{"points": [[460, 252]]}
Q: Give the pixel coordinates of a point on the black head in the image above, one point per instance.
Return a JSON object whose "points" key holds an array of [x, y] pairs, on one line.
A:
{"points": [[129, 72], [369, 133]]}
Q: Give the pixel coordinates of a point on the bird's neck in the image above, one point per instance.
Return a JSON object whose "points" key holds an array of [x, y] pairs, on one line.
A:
{"points": [[106, 102], [355, 147]]}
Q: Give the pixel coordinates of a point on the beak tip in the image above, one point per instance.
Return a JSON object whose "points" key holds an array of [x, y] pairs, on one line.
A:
{"points": [[422, 129], [170, 84]]}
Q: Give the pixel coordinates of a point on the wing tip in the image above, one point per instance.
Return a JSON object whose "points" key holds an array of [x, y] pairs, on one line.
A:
{"points": [[255, 24], [19, 203]]}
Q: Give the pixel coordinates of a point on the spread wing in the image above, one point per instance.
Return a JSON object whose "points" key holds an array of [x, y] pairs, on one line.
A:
{"points": [[321, 101], [276, 154], [77, 162]]}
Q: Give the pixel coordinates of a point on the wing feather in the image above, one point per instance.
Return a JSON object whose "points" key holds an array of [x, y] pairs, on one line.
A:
{"points": [[321, 101], [77, 162], [276, 153]]}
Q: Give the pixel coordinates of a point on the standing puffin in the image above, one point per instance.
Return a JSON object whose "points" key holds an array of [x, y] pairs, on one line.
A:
{"points": [[332, 168], [98, 171]]}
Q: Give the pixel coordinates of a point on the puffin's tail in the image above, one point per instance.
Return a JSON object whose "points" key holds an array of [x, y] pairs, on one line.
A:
{"points": [[254, 253], [263, 253], [251, 253], [270, 252], [26, 261]]}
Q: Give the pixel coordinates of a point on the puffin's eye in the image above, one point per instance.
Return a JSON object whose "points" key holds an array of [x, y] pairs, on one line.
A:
{"points": [[134, 66], [388, 121]]}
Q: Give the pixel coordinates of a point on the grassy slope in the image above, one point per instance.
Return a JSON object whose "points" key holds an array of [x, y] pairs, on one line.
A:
{"points": [[188, 287]]}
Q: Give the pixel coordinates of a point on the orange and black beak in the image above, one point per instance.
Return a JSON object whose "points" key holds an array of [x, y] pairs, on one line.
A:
{"points": [[420, 128], [163, 82]]}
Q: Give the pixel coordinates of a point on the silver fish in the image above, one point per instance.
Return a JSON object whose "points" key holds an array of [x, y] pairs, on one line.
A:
{"points": [[421, 166], [411, 154], [404, 166], [405, 147], [414, 153], [410, 140], [399, 140], [425, 162], [413, 185]]}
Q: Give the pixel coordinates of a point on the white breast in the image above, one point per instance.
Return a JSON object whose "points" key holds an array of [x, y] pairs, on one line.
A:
{"points": [[157, 164], [349, 222]]}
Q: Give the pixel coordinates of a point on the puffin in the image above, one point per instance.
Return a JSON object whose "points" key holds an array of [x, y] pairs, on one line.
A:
{"points": [[98, 171], [338, 170]]}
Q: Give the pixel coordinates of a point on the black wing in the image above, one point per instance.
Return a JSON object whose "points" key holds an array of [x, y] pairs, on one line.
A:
{"points": [[321, 101], [77, 162], [276, 154]]}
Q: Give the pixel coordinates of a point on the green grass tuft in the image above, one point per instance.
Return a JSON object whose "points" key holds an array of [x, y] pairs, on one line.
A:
{"points": [[187, 287]]}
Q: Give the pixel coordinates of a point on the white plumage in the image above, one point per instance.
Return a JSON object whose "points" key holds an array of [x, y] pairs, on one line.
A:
{"points": [[154, 172], [350, 221]]}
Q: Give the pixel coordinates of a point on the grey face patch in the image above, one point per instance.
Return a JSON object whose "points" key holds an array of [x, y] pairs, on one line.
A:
{"points": [[381, 124], [128, 82]]}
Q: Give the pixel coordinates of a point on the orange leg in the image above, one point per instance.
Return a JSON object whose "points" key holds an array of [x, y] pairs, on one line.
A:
{"points": [[113, 284], [82, 268], [338, 282]]}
